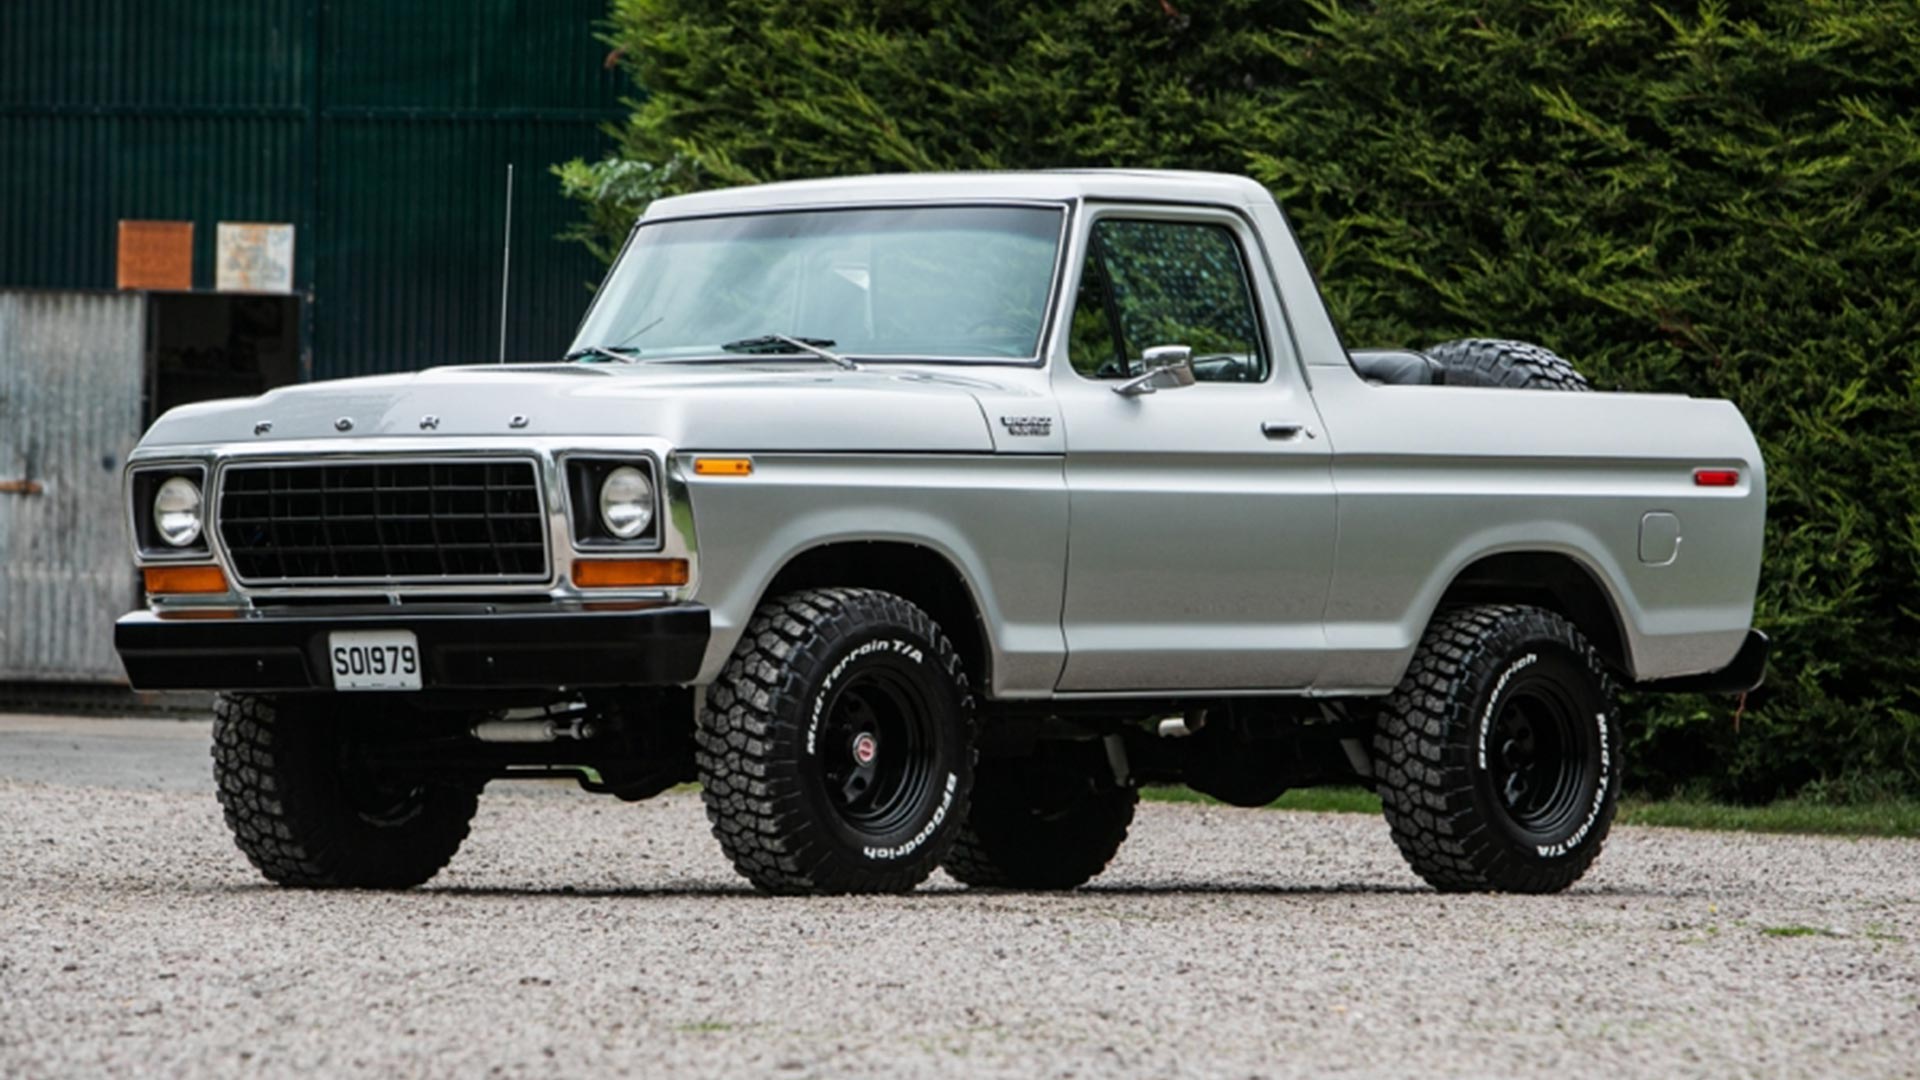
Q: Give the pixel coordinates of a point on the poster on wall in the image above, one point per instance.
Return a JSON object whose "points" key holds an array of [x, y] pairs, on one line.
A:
{"points": [[253, 257], [154, 255]]}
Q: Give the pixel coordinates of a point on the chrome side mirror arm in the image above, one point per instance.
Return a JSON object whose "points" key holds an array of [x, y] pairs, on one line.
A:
{"points": [[1169, 367]]}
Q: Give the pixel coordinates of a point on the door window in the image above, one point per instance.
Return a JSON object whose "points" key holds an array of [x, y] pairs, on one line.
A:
{"points": [[1149, 283]]}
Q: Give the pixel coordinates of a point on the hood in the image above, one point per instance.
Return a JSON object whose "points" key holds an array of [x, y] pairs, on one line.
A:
{"points": [[749, 406]]}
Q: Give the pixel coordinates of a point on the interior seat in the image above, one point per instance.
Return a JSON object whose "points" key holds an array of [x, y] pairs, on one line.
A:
{"points": [[1397, 367]]}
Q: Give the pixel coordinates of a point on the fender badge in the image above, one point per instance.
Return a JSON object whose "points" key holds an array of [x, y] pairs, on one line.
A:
{"points": [[429, 422], [345, 423], [261, 427], [519, 421], [1037, 426]]}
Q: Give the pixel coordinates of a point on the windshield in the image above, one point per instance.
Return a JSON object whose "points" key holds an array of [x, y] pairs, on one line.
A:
{"points": [[957, 282]]}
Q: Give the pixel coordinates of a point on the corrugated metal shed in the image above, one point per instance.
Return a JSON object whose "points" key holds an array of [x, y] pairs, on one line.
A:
{"points": [[70, 391], [382, 131]]}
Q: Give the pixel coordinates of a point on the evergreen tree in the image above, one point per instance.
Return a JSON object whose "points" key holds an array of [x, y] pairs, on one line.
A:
{"points": [[1719, 199]]}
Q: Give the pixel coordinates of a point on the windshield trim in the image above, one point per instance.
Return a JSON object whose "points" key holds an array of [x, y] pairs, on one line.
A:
{"points": [[1041, 344]]}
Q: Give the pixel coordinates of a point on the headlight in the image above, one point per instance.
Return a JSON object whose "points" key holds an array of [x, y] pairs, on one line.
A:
{"points": [[176, 512], [626, 502]]}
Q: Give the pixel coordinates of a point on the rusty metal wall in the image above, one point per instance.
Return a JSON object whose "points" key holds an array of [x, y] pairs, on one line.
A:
{"points": [[71, 377], [381, 131]]}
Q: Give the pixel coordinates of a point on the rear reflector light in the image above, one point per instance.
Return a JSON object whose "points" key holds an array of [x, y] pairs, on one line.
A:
{"points": [[1715, 477], [176, 580], [627, 573]]}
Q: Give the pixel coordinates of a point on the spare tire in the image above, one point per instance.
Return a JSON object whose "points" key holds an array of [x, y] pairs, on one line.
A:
{"points": [[1516, 365]]}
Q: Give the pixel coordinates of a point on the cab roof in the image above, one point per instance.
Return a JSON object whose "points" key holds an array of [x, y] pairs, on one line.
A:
{"points": [[1063, 185]]}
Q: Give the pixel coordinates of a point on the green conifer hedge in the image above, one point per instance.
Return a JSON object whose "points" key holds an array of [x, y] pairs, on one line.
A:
{"points": [[1709, 198]]}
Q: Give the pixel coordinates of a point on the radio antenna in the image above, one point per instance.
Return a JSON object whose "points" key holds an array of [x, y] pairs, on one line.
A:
{"points": [[506, 262]]}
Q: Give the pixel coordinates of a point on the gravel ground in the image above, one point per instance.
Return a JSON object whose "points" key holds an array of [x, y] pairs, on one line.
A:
{"points": [[579, 935]]}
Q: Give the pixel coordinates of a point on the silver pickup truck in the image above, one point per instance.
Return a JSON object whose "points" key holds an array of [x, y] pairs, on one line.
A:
{"points": [[922, 520]]}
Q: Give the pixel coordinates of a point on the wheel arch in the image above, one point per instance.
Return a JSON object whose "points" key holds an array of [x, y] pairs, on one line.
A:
{"points": [[929, 578], [1549, 579]]}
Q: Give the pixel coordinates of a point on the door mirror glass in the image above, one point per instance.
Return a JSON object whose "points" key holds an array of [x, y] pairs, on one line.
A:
{"points": [[1169, 367]]}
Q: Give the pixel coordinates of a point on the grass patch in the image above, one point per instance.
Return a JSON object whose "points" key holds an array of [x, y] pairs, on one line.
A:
{"points": [[1797, 931], [1883, 818], [1321, 800], [1900, 818]]}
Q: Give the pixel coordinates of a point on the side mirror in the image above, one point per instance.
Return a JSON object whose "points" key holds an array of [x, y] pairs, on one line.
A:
{"points": [[1169, 367]]}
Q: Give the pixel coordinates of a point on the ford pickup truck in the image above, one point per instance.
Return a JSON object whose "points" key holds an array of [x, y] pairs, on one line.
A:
{"points": [[922, 520]]}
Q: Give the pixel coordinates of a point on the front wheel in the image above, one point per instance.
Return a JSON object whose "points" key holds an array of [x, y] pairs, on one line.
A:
{"points": [[1498, 756], [308, 809], [836, 749]]}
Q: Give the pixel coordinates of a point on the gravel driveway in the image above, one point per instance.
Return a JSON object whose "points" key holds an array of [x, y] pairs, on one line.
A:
{"points": [[579, 935]]}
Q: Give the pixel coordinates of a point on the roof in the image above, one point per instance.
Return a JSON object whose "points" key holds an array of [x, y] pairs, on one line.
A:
{"points": [[1049, 186]]}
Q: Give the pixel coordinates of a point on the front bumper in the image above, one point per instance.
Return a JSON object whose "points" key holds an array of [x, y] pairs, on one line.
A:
{"points": [[462, 647]]}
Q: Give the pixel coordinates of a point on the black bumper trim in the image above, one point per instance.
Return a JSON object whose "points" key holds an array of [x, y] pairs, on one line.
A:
{"points": [[1747, 671], [464, 648]]}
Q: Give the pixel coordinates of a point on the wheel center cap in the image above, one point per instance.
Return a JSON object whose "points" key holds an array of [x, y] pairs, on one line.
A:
{"points": [[865, 748]]}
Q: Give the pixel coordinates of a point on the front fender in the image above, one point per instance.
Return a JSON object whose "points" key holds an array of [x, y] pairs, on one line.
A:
{"points": [[1001, 521]]}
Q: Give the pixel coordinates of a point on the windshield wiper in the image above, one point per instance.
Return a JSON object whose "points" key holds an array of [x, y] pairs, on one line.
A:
{"points": [[781, 343], [623, 353]]}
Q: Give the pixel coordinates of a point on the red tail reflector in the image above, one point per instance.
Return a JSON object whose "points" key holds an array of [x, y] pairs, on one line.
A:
{"points": [[1715, 477]]}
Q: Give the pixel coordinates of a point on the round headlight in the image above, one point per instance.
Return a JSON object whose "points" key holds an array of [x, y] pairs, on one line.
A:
{"points": [[176, 511], [626, 502]]}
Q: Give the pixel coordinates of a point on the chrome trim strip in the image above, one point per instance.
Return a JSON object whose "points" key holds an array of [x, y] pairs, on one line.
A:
{"points": [[306, 585]]}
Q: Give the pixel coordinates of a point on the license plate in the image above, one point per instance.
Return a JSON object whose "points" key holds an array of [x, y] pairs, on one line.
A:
{"points": [[374, 660]]}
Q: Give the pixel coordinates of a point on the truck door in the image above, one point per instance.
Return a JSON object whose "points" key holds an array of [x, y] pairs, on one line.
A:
{"points": [[1201, 516]]}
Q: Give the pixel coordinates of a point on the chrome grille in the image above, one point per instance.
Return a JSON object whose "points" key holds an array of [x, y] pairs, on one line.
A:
{"points": [[384, 521]]}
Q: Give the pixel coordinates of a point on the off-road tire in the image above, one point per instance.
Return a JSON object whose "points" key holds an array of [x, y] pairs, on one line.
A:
{"points": [[1442, 744], [289, 798], [764, 759], [1516, 365], [1051, 821]]}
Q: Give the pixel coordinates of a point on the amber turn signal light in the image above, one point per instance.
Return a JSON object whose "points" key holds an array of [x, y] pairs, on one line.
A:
{"points": [[629, 573], [179, 580], [723, 466]]}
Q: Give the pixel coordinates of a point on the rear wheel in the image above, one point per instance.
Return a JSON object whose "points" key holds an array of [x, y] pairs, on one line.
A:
{"points": [[836, 749], [1498, 756], [1517, 365], [307, 808], [1050, 821]]}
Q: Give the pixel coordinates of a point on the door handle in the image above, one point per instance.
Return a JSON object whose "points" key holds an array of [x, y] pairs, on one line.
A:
{"points": [[1281, 431]]}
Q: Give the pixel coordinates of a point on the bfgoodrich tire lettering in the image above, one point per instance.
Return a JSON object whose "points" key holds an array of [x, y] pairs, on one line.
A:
{"points": [[1498, 756], [836, 749], [305, 816]]}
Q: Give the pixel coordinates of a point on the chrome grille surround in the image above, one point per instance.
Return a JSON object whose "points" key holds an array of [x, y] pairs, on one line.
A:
{"points": [[401, 520]]}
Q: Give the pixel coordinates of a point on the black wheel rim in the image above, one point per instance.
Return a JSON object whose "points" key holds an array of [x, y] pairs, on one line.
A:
{"points": [[876, 750], [378, 797], [387, 805], [1542, 760], [1050, 786]]}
